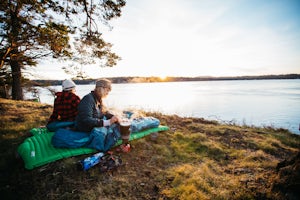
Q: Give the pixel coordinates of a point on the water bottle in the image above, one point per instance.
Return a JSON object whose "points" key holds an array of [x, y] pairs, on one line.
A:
{"points": [[91, 161]]}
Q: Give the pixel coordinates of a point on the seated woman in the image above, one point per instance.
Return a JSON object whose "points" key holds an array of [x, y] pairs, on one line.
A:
{"points": [[65, 107], [94, 118], [91, 110]]}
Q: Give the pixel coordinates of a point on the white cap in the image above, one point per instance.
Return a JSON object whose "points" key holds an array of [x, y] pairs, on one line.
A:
{"points": [[68, 85]]}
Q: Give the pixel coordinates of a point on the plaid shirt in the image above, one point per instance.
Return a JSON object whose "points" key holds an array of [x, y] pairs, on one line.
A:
{"points": [[65, 107]]}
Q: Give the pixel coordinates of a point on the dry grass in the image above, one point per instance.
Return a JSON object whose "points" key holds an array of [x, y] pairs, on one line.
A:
{"points": [[195, 159]]}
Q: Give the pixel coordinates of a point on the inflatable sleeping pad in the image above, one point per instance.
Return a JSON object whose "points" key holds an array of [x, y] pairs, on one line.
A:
{"points": [[37, 150]]}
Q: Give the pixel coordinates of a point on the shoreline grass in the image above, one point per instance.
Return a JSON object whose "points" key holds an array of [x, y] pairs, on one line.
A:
{"points": [[195, 159]]}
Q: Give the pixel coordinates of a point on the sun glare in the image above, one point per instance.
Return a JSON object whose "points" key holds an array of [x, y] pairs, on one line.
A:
{"points": [[162, 78]]}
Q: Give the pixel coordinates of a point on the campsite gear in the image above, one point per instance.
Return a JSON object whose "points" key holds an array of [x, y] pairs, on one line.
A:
{"points": [[125, 130], [154, 136], [55, 125], [110, 162], [103, 138], [91, 161], [125, 148], [67, 138], [128, 114], [142, 123], [37, 150], [100, 138]]}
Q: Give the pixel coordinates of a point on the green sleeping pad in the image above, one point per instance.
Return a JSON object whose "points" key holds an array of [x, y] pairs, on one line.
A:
{"points": [[37, 150]]}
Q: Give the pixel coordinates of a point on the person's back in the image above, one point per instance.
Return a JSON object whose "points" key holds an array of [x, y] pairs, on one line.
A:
{"points": [[65, 106]]}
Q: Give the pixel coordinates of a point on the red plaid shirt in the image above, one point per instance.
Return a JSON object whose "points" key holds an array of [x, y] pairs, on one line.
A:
{"points": [[65, 107]]}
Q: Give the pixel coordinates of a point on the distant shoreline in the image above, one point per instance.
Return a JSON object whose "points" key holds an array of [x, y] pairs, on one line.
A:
{"points": [[137, 79]]}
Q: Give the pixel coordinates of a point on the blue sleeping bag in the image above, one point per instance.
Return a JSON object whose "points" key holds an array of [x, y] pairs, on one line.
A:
{"points": [[100, 138]]}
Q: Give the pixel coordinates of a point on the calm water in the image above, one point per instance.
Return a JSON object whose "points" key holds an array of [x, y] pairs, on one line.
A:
{"points": [[252, 102]]}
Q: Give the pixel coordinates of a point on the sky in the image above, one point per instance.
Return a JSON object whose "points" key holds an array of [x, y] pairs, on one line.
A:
{"points": [[199, 38]]}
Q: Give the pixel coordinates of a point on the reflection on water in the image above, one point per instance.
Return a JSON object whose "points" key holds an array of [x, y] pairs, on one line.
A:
{"points": [[253, 102]]}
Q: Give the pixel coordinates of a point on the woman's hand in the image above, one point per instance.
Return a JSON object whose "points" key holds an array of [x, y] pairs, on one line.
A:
{"points": [[114, 119]]}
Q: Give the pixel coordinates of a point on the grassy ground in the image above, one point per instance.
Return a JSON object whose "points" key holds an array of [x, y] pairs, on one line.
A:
{"points": [[195, 159]]}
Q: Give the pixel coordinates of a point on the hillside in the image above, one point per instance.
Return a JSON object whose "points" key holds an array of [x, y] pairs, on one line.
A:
{"points": [[195, 159]]}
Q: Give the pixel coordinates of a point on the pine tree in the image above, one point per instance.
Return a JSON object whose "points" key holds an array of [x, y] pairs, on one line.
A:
{"points": [[34, 29]]}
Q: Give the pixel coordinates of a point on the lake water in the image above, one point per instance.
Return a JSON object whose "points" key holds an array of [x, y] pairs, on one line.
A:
{"points": [[273, 103]]}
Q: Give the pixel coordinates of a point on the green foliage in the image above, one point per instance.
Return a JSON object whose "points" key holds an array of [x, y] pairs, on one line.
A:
{"points": [[31, 30]]}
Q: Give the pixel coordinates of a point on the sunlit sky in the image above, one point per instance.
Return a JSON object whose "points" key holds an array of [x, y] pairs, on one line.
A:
{"points": [[200, 38]]}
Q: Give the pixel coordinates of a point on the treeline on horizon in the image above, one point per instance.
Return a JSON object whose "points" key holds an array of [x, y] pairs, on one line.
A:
{"points": [[169, 79]]}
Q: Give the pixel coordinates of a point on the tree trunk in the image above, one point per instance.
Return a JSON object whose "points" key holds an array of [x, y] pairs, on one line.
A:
{"points": [[17, 92]]}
